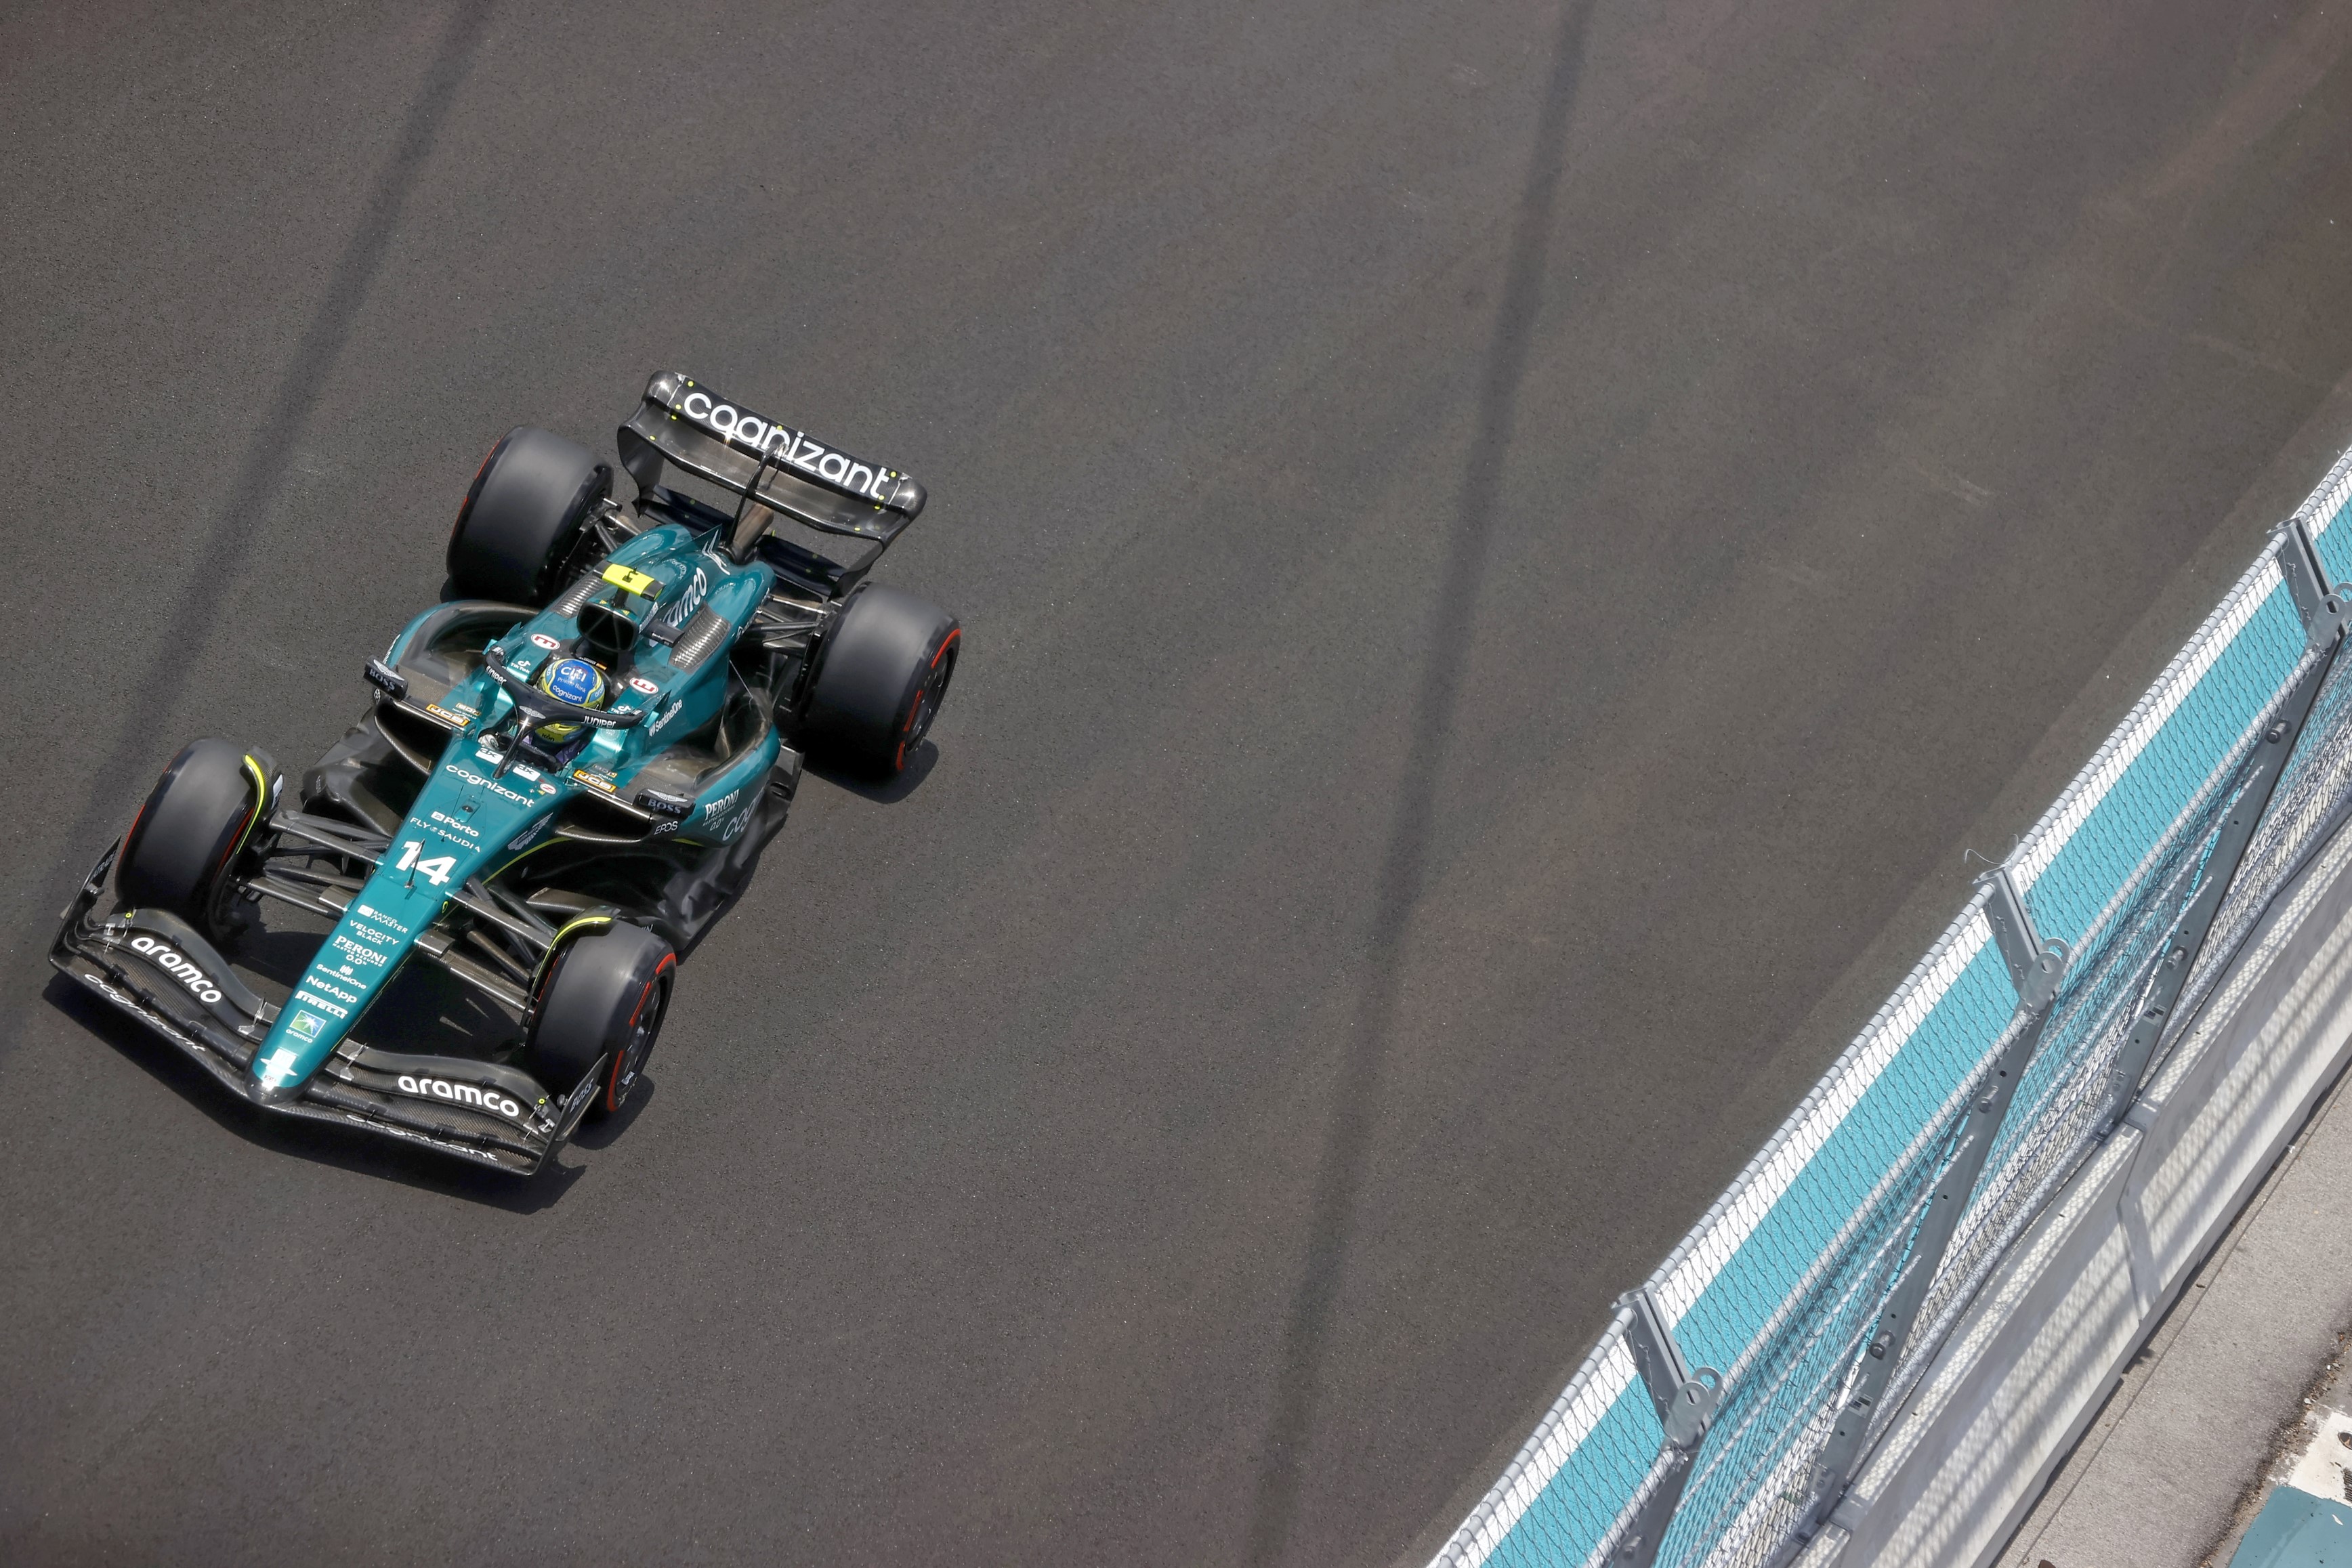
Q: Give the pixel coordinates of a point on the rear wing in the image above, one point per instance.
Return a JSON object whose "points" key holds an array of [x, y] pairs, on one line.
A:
{"points": [[683, 423]]}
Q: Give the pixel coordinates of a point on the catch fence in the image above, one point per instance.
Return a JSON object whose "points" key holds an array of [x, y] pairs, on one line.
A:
{"points": [[1783, 1288]]}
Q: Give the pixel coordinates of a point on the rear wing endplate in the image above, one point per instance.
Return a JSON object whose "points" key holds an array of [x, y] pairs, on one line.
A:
{"points": [[683, 423]]}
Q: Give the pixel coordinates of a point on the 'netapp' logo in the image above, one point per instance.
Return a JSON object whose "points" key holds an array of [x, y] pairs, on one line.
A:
{"points": [[178, 968], [463, 1094], [794, 448]]}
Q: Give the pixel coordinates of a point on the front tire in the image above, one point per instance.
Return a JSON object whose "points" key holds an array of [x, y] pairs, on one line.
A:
{"points": [[521, 522], [600, 1011], [177, 854], [887, 665]]}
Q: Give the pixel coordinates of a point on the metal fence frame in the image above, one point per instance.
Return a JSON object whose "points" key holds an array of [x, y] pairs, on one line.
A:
{"points": [[1787, 1278]]}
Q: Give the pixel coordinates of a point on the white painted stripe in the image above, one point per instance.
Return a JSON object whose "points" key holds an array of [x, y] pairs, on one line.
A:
{"points": [[2147, 720], [1819, 1120], [2042, 841], [1717, 1238], [1703, 1256], [1609, 1371], [1562, 1433], [2327, 503]]}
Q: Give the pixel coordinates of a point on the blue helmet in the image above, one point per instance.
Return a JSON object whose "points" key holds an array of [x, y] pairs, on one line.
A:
{"points": [[575, 681]]}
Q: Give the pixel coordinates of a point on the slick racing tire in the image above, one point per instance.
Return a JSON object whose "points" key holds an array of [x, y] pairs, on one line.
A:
{"points": [[885, 670], [521, 522], [195, 819], [600, 1011]]}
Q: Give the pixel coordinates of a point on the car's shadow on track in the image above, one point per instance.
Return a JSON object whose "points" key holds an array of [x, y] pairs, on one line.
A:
{"points": [[600, 1135], [887, 791], [352, 1151]]}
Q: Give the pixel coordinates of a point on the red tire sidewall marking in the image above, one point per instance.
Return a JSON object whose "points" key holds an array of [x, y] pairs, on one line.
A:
{"points": [[915, 702], [123, 854], [612, 1084], [475, 489]]}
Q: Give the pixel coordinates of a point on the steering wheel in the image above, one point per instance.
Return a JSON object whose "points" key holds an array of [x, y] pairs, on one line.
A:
{"points": [[545, 709]]}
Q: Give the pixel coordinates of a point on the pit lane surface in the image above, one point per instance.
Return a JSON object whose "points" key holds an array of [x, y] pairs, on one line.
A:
{"points": [[1504, 551]]}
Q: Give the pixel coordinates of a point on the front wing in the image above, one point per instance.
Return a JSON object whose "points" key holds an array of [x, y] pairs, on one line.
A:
{"points": [[158, 969]]}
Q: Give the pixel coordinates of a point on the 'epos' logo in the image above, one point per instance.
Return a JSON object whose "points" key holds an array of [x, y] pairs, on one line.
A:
{"points": [[749, 430], [464, 1093]]}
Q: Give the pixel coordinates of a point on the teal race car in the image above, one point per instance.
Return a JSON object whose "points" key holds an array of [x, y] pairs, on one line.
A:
{"points": [[565, 775]]}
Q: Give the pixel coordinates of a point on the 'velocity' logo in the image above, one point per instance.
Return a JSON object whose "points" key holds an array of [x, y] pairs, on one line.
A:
{"points": [[180, 968], [793, 447], [463, 1095]]}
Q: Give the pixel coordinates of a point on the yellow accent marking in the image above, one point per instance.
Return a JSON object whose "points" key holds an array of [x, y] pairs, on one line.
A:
{"points": [[540, 974], [253, 821], [635, 582]]}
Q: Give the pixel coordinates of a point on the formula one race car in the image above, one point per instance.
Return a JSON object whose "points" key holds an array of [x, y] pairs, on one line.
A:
{"points": [[565, 775]]}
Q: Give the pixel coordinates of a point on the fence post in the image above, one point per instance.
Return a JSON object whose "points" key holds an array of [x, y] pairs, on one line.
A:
{"points": [[2323, 624], [2035, 966], [1685, 1400]]}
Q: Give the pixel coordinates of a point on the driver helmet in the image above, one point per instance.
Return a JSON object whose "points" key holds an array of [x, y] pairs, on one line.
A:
{"points": [[580, 682]]}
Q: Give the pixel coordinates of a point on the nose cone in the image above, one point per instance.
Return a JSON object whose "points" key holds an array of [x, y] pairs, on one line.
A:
{"points": [[350, 967], [468, 816]]}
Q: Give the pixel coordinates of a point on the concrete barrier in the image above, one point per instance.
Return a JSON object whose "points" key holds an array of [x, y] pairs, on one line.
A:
{"points": [[2042, 1346]]}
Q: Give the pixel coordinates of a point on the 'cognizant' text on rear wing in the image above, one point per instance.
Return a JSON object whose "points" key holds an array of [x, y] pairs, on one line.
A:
{"points": [[765, 461]]}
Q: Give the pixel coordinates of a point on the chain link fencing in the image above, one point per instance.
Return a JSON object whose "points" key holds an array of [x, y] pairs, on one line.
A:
{"points": [[1781, 1282]]}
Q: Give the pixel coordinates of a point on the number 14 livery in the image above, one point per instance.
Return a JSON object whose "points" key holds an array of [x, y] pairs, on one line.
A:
{"points": [[565, 774]]}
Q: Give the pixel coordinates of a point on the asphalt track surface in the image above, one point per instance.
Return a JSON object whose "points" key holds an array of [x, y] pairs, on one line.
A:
{"points": [[1505, 549]]}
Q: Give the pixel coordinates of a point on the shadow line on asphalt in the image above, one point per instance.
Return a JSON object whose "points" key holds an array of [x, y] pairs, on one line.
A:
{"points": [[1404, 869], [352, 1150], [154, 698]]}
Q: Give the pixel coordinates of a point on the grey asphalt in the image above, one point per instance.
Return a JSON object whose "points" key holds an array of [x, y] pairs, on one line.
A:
{"points": [[1504, 550]]}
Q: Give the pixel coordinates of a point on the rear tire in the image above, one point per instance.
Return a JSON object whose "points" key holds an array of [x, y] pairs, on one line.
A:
{"points": [[178, 850], [885, 670], [521, 522], [600, 1011]]}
